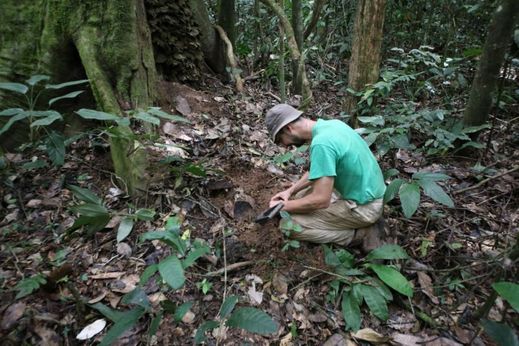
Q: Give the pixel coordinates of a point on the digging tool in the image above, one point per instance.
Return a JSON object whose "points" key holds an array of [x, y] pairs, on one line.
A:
{"points": [[269, 214]]}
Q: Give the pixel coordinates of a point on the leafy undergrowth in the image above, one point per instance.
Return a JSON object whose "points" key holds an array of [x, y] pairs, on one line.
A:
{"points": [[210, 180]]}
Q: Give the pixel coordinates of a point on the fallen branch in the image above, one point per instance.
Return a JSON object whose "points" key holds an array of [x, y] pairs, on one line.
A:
{"points": [[230, 58], [484, 181], [230, 267]]}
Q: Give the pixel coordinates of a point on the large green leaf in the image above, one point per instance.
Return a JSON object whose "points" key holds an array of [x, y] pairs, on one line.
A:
{"points": [[67, 96], [90, 210], [63, 85], [159, 113], [9, 112], [198, 251], [168, 237], [12, 120], [125, 227], [228, 306], [96, 115], [172, 272], [501, 333], [85, 195], [252, 320], [147, 118], [376, 302], [145, 214], [16, 87], [111, 314], [434, 191], [155, 323], [55, 145], [36, 79], [509, 291], [351, 311], [148, 273], [204, 327], [130, 319], [410, 198], [388, 252], [137, 297], [431, 176], [393, 279], [330, 258], [392, 190], [47, 120]]}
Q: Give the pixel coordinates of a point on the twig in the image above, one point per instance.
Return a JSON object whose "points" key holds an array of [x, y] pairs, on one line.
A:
{"points": [[15, 262], [484, 181], [304, 282], [229, 268], [274, 96], [336, 275], [224, 265]]}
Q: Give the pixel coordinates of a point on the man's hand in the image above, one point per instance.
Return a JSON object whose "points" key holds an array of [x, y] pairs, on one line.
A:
{"points": [[282, 196]]}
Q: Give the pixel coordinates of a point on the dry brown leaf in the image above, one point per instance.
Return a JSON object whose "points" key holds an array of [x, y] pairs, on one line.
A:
{"points": [[11, 315], [443, 342], [48, 336], [189, 317], [126, 284], [114, 222], [182, 106], [124, 249], [427, 287], [34, 203], [280, 283], [286, 340], [368, 334], [107, 276], [98, 298], [407, 340]]}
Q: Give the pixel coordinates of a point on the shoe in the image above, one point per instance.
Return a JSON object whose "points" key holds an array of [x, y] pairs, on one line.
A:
{"points": [[372, 236]]}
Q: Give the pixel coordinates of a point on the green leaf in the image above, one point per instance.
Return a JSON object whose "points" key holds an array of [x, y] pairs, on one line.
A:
{"points": [[172, 272], [376, 302], [55, 145], [391, 173], [351, 311], [137, 297], [36, 79], [410, 198], [92, 224], [130, 319], [434, 191], [387, 252], [204, 327], [161, 114], [63, 85], [155, 323], [90, 210], [196, 170], [125, 227], [28, 285], [96, 115], [501, 333], [67, 96], [10, 112], [376, 120], [330, 258], [392, 190], [252, 320], [431, 176], [111, 314], [48, 120], [148, 273], [181, 311], [227, 306], [199, 251], [145, 214], [12, 120], [34, 164], [393, 279], [143, 116], [16, 87], [509, 291], [173, 224], [168, 237], [85, 195]]}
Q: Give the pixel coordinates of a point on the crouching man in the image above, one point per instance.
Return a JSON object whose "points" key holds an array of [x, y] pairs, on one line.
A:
{"points": [[339, 200]]}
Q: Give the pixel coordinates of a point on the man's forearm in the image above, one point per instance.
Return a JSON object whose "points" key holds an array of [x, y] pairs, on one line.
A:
{"points": [[299, 185]]}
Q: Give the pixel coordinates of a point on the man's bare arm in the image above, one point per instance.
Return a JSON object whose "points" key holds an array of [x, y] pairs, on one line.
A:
{"points": [[319, 198]]}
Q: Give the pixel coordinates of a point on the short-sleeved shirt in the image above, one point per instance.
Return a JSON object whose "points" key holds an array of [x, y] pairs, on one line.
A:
{"points": [[338, 151]]}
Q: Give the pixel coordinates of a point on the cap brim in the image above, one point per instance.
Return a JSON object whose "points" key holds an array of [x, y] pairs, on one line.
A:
{"points": [[288, 119]]}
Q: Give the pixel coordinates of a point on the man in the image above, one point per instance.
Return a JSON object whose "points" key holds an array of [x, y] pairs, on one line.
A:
{"points": [[339, 200]]}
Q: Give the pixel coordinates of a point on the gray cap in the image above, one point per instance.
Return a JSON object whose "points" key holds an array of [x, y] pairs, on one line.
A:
{"points": [[278, 116]]}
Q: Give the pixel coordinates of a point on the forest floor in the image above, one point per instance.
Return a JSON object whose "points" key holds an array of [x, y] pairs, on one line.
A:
{"points": [[456, 253]]}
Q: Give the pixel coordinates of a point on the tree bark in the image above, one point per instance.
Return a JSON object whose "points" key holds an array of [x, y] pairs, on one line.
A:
{"points": [[297, 25], [227, 19], [230, 59], [294, 51], [365, 55], [113, 45], [485, 81], [281, 63]]}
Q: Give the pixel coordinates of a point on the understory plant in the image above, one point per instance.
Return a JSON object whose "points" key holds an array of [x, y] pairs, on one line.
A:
{"points": [[288, 228], [366, 281], [502, 333]]}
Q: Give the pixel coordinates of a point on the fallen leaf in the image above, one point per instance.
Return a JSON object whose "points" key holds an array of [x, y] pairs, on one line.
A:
{"points": [[407, 340], [338, 340], [114, 221], [286, 340], [255, 297], [98, 298], [427, 287], [126, 284], [34, 203], [48, 336], [368, 334], [107, 276], [318, 317], [124, 249], [280, 283], [443, 342], [11, 315], [182, 106], [92, 329], [189, 317]]}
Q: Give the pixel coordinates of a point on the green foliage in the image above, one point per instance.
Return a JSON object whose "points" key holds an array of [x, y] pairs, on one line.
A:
{"points": [[93, 215], [359, 285], [28, 285], [509, 291], [409, 191], [288, 227], [297, 156], [501, 333]]}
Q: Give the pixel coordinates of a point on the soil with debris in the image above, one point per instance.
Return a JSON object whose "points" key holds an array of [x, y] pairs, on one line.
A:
{"points": [[227, 139]]}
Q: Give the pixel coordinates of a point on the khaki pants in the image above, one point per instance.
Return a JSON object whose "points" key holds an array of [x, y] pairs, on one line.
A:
{"points": [[337, 223]]}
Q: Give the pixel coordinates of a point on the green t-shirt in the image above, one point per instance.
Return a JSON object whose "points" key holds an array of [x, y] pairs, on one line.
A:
{"points": [[338, 151]]}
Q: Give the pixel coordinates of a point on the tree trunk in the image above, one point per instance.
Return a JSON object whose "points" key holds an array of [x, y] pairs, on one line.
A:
{"points": [[227, 19], [316, 11], [487, 74], [281, 63], [365, 54], [112, 42], [297, 25], [294, 51]]}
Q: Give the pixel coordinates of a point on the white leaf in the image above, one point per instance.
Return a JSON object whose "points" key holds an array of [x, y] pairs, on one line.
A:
{"points": [[92, 329]]}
